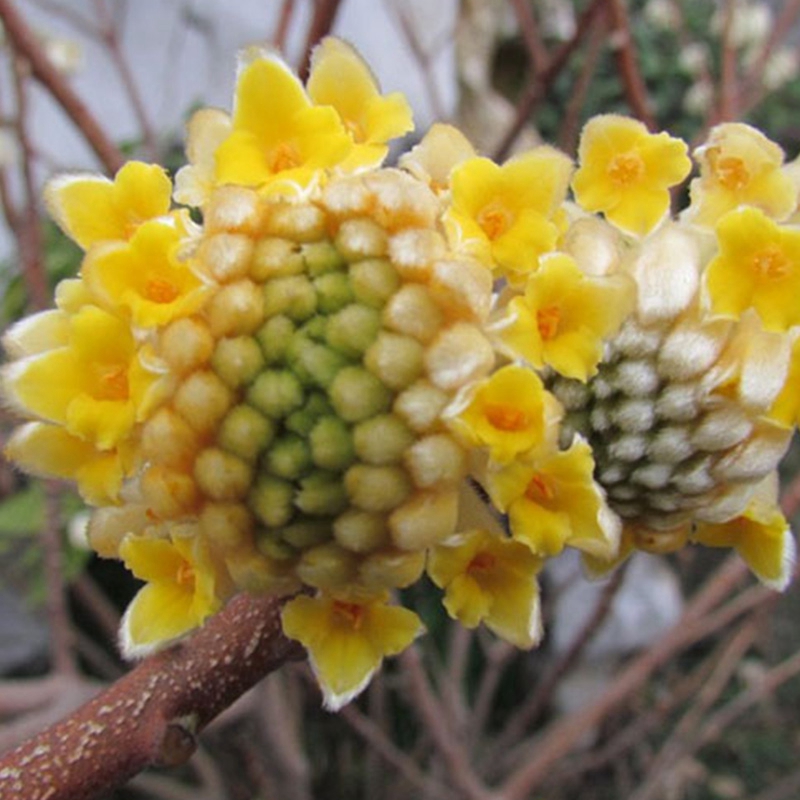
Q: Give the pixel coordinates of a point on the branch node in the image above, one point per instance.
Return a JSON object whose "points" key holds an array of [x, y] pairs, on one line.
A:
{"points": [[179, 741]]}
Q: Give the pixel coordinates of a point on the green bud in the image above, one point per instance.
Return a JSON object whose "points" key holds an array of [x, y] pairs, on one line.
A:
{"points": [[237, 361], [276, 393], [357, 394], [374, 281], [331, 444], [304, 419], [289, 457], [382, 439], [274, 337], [321, 257], [333, 291], [322, 493], [245, 432], [293, 296], [326, 566], [271, 501], [306, 533], [276, 258], [269, 544], [361, 531], [353, 329], [317, 361]]}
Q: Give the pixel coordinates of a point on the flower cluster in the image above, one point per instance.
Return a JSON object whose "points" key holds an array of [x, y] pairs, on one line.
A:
{"points": [[350, 375]]}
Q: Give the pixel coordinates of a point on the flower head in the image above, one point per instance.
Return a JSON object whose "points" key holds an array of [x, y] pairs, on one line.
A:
{"points": [[626, 172]]}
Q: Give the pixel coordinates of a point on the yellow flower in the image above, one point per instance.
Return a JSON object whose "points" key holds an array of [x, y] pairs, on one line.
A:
{"points": [[95, 385], [340, 78], [757, 266], [348, 640], [564, 316], [740, 166], [786, 409], [91, 208], [49, 451], [181, 590], [277, 134], [626, 172], [207, 130], [144, 278], [552, 501], [760, 535], [491, 579], [506, 212], [509, 413]]}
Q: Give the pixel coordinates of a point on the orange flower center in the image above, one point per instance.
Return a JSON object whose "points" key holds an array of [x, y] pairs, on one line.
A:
{"points": [[731, 172], [481, 563], [494, 220], [771, 263], [356, 130], [352, 614], [538, 489], [506, 417], [113, 384], [625, 169], [185, 575], [158, 290], [283, 157], [547, 320]]}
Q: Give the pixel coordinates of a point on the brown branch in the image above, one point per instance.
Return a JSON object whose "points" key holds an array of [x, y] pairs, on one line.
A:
{"points": [[530, 34], [282, 28], [628, 64], [538, 85], [728, 101], [26, 45], [153, 714], [321, 25]]}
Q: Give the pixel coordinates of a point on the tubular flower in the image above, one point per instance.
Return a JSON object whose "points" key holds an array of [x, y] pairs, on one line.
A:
{"points": [[740, 166], [508, 212], [626, 172], [300, 393], [491, 579]]}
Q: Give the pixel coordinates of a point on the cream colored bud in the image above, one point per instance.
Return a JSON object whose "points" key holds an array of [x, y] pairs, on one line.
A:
{"points": [[276, 258], [326, 566], [109, 525], [722, 428], [436, 461], [228, 525], [391, 569], [169, 440], [235, 209], [237, 360], [168, 493], [421, 406], [226, 256], [459, 354], [203, 400], [397, 360], [425, 520], [186, 345], [382, 439], [255, 572], [413, 311], [236, 309], [361, 238], [361, 531], [399, 201], [463, 288], [302, 223], [374, 281], [377, 488], [221, 475], [414, 252]]}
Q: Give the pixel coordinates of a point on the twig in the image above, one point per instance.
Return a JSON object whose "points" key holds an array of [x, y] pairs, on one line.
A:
{"points": [[154, 713], [539, 84], [728, 101], [786, 789], [433, 716], [282, 28], [694, 624], [26, 44], [530, 34], [628, 64], [92, 598], [497, 658], [321, 25]]}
